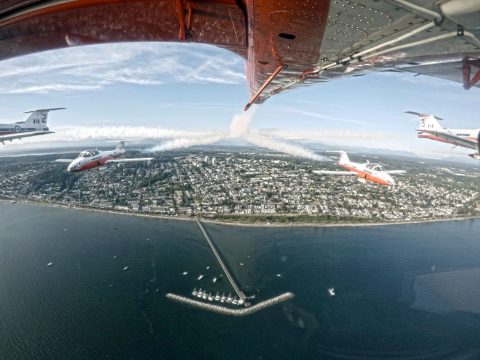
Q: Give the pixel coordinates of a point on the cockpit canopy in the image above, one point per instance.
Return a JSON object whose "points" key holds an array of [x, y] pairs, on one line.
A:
{"points": [[374, 167], [88, 153]]}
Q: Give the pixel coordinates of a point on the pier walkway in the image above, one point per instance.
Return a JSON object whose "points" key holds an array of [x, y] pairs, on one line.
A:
{"points": [[229, 276]]}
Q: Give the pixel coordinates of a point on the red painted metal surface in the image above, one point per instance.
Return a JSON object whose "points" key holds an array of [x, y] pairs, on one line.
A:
{"points": [[267, 33], [468, 66], [366, 176], [284, 32], [264, 85]]}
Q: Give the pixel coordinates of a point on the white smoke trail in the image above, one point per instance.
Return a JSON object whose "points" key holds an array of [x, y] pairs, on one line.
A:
{"points": [[240, 123], [239, 127], [177, 139], [329, 134], [282, 146], [121, 132], [180, 143]]}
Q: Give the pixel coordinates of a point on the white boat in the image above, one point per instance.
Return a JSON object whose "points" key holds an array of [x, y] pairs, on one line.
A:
{"points": [[229, 298], [194, 292], [214, 279], [210, 297], [235, 301], [205, 296], [217, 296], [200, 293], [241, 301], [185, 273], [200, 277], [223, 298], [208, 267], [50, 264], [331, 291], [125, 268]]}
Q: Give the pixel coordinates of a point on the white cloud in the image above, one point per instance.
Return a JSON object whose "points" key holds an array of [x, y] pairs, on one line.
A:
{"points": [[88, 68], [324, 117], [49, 88]]}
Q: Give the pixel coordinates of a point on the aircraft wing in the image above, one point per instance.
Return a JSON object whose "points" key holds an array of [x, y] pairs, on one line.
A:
{"points": [[327, 172], [20, 135], [450, 138], [127, 160], [63, 160], [306, 44], [396, 172]]}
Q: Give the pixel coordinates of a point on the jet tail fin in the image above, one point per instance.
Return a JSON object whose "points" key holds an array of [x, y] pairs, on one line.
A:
{"points": [[427, 121], [477, 155], [344, 159], [38, 118], [120, 146]]}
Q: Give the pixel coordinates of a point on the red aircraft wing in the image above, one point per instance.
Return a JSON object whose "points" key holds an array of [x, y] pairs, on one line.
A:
{"points": [[286, 43]]}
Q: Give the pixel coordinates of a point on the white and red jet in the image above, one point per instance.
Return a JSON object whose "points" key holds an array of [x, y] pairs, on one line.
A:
{"points": [[365, 172], [90, 159], [431, 129]]}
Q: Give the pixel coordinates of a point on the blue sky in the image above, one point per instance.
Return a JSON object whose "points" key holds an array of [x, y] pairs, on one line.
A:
{"points": [[186, 87]]}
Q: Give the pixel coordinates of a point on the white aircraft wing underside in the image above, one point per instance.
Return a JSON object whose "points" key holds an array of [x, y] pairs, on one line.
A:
{"points": [[23, 135], [396, 172], [127, 160], [456, 140], [393, 36], [327, 172]]}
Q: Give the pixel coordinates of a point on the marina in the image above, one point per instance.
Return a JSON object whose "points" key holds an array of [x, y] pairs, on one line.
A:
{"points": [[240, 299], [228, 311], [202, 294]]}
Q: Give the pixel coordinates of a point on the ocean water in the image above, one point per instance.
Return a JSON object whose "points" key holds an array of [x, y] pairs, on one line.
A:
{"points": [[401, 292]]}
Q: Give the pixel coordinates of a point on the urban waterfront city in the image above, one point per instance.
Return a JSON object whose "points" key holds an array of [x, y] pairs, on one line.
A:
{"points": [[239, 180], [248, 185]]}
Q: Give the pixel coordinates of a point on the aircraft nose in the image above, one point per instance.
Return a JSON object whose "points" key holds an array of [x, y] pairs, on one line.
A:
{"points": [[72, 167], [390, 180]]}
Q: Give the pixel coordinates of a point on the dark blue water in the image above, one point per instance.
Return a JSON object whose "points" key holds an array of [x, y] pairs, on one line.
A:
{"points": [[401, 292]]}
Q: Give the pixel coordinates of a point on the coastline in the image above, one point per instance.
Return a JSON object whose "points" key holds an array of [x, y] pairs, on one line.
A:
{"points": [[239, 223]]}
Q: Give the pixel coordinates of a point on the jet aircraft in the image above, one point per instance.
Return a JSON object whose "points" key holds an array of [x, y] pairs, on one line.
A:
{"points": [[90, 159], [286, 44], [36, 124], [365, 172], [430, 128]]}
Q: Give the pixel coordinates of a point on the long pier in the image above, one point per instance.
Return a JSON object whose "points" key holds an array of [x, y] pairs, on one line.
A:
{"points": [[230, 278]]}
